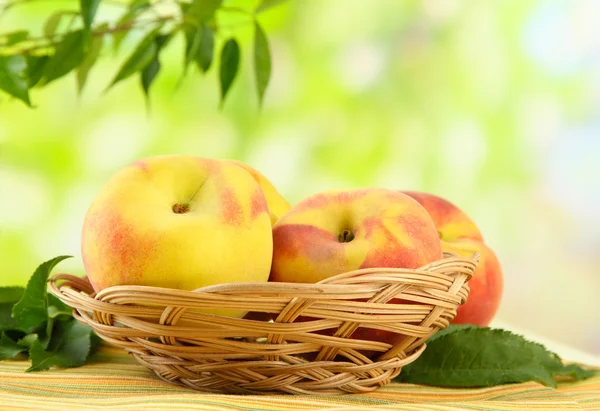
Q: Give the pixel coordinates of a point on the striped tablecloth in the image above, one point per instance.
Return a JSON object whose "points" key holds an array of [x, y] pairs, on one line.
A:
{"points": [[114, 381]]}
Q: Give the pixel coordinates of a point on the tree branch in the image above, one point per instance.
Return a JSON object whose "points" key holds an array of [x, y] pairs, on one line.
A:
{"points": [[132, 25]]}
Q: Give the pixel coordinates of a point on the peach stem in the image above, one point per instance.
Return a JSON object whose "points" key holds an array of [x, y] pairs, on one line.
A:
{"points": [[345, 236], [180, 208]]}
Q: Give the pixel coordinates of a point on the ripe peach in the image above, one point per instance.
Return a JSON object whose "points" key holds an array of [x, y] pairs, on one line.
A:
{"points": [[340, 231], [178, 222], [459, 234], [277, 204]]}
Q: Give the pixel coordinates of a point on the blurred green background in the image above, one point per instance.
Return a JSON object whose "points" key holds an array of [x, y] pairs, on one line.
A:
{"points": [[493, 105]]}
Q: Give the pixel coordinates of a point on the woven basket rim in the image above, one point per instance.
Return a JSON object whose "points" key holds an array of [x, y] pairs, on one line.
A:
{"points": [[322, 285]]}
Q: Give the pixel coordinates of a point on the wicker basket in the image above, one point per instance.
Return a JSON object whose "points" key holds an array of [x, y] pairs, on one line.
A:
{"points": [[305, 350]]}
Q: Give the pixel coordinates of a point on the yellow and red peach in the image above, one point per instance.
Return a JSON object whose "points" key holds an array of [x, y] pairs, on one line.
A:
{"points": [[179, 222], [277, 204], [340, 231], [459, 234]]}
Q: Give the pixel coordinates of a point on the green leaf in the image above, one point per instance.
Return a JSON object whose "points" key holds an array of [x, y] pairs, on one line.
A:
{"points": [[200, 43], [267, 4], [139, 59], [71, 350], [230, 59], [28, 340], [88, 12], [90, 59], [193, 36], [576, 372], [57, 308], [35, 68], [450, 329], [8, 297], [43, 335], [54, 20], [162, 40], [9, 348], [204, 57], [56, 313], [201, 11], [48, 332], [12, 79], [16, 37], [482, 357], [68, 55], [95, 341], [32, 308], [11, 294], [262, 61], [149, 74]]}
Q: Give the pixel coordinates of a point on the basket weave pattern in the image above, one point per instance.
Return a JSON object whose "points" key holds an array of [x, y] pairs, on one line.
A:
{"points": [[305, 350]]}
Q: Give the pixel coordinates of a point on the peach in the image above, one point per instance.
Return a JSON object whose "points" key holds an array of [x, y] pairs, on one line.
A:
{"points": [[179, 222], [277, 204], [340, 231], [459, 234]]}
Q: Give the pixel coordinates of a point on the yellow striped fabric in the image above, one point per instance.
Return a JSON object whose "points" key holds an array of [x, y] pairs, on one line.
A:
{"points": [[114, 381]]}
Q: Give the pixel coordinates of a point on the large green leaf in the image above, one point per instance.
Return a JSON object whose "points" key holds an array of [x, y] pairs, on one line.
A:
{"points": [[230, 59], [68, 55], [262, 61], [470, 356], [12, 77]]}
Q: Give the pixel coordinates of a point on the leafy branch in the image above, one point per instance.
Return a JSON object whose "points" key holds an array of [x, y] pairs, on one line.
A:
{"points": [[73, 40]]}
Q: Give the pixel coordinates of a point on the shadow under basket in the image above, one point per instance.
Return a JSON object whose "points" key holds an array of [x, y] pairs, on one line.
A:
{"points": [[332, 337]]}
